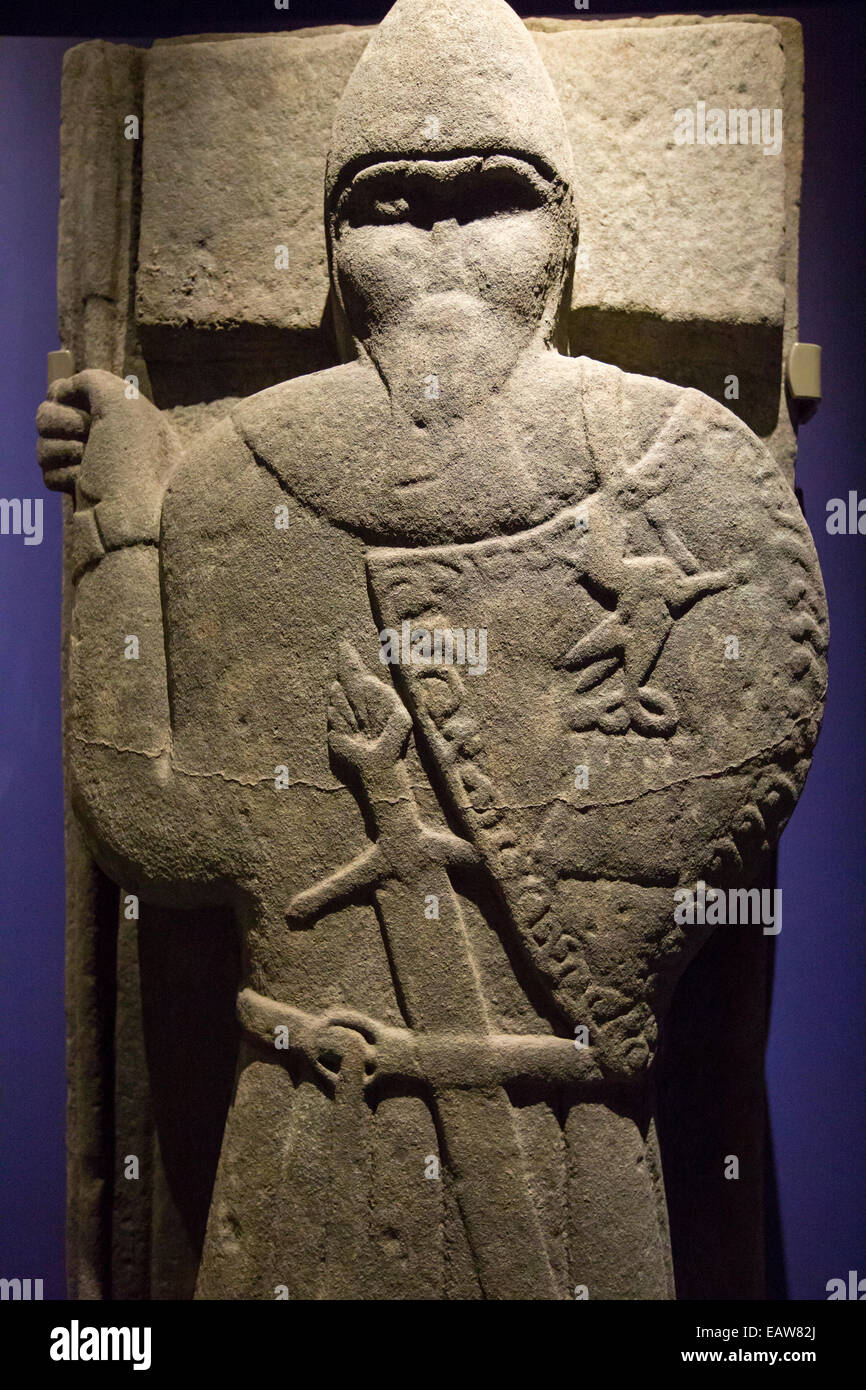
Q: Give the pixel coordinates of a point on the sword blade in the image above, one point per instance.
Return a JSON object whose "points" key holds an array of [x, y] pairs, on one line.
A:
{"points": [[433, 968]]}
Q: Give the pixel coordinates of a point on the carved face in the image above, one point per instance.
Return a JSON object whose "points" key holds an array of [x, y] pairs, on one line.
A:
{"points": [[450, 258]]}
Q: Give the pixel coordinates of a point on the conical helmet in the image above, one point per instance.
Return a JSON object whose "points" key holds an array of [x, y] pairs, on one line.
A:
{"points": [[448, 76], [442, 78]]}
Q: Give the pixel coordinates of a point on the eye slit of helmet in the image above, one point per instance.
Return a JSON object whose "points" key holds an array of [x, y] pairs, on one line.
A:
{"points": [[424, 192], [499, 189]]}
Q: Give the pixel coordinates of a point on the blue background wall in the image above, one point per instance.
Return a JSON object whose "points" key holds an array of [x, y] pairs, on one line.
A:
{"points": [[816, 1062]]}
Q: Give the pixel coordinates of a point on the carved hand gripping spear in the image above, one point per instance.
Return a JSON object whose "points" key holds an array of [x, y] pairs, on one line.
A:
{"points": [[436, 981]]}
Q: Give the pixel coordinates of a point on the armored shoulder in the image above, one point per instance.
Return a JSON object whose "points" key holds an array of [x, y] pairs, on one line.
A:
{"points": [[627, 415]]}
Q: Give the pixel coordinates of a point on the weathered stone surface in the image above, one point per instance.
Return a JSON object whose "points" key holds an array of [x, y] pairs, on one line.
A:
{"points": [[445, 873], [237, 136], [681, 231], [685, 268], [102, 84]]}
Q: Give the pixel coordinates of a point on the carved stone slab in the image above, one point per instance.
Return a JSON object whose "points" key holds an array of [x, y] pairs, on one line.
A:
{"points": [[440, 449]]}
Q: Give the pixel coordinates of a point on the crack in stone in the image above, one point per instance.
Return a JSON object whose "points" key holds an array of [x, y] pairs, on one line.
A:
{"points": [[424, 787], [678, 781], [500, 806], [190, 772], [226, 776]]}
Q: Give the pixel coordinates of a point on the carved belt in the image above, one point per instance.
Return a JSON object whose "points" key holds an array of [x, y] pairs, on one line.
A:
{"points": [[440, 1059]]}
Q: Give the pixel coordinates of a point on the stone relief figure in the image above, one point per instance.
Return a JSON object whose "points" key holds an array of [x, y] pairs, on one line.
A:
{"points": [[454, 883]]}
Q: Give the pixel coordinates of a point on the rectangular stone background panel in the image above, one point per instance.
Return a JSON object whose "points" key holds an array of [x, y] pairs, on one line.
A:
{"points": [[680, 231], [684, 268], [235, 140], [236, 135]]}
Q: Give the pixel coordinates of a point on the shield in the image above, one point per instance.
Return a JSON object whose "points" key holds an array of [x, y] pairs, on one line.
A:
{"points": [[554, 678]]}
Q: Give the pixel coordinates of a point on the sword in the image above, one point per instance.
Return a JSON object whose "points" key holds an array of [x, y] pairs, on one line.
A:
{"points": [[434, 975]]}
